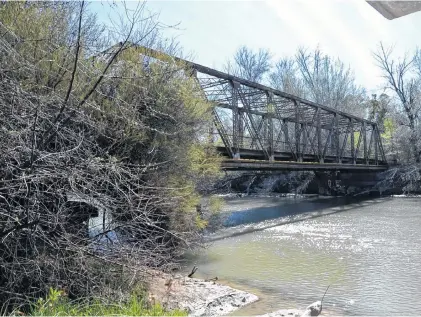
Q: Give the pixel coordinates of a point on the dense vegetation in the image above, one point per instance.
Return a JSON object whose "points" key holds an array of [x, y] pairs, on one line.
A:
{"points": [[57, 303], [89, 129]]}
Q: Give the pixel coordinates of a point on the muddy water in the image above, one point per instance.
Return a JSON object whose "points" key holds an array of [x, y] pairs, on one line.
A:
{"points": [[289, 250]]}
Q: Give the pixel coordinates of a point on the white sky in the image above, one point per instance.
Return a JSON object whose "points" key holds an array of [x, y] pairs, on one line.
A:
{"points": [[348, 29]]}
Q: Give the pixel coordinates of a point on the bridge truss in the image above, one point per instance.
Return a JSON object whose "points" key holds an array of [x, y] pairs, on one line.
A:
{"points": [[258, 127]]}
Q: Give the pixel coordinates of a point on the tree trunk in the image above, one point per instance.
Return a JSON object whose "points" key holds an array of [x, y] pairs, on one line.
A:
{"points": [[413, 139]]}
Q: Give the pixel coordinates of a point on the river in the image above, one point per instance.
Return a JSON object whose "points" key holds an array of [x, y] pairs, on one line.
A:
{"points": [[288, 250]]}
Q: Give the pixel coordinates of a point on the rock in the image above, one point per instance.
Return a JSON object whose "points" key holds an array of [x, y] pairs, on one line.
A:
{"points": [[313, 310]]}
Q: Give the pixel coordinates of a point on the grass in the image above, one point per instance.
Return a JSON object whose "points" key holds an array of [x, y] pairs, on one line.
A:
{"points": [[57, 304]]}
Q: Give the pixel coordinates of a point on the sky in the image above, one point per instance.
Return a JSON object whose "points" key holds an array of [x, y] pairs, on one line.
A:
{"points": [[211, 31]]}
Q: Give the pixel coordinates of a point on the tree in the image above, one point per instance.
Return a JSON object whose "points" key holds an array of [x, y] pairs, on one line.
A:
{"points": [[101, 158], [402, 78], [382, 110], [378, 109], [320, 78], [328, 81], [312, 75], [285, 77], [249, 64]]}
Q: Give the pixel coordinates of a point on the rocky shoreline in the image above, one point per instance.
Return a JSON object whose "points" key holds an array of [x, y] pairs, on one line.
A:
{"points": [[203, 297], [197, 296]]}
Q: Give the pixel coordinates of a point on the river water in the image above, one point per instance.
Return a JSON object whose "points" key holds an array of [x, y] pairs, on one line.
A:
{"points": [[288, 250]]}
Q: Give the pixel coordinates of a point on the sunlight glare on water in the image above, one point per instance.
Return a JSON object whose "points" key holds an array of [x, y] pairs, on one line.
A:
{"points": [[369, 252]]}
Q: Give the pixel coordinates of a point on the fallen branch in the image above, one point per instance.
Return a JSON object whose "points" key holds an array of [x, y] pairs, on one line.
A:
{"points": [[192, 272]]}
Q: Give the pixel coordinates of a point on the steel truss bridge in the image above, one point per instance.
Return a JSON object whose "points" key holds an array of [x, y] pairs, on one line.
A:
{"points": [[261, 128]]}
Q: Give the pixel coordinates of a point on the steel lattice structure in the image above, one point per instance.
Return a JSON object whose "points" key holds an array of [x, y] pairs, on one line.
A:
{"points": [[259, 127]]}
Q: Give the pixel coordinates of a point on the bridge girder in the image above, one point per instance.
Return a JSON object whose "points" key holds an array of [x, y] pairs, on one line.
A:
{"points": [[269, 120], [253, 117]]}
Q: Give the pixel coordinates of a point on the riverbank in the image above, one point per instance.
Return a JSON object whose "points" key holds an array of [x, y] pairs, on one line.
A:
{"points": [[196, 296], [200, 297]]}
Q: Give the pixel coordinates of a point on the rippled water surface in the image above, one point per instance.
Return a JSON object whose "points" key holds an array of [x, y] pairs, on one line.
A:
{"points": [[369, 251]]}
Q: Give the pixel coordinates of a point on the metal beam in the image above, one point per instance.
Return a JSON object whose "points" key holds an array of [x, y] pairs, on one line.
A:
{"points": [[351, 122], [270, 135], [259, 113], [248, 83], [242, 165], [365, 141], [236, 129]]}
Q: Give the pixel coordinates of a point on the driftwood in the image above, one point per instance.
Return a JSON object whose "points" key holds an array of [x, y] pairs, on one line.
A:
{"points": [[192, 271]]}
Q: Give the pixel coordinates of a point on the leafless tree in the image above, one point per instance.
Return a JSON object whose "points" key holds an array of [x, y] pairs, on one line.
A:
{"points": [[309, 74], [402, 79], [318, 77], [328, 81], [250, 65], [285, 77]]}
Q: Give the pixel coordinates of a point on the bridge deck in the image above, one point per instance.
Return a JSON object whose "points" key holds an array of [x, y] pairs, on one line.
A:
{"points": [[245, 165], [254, 160]]}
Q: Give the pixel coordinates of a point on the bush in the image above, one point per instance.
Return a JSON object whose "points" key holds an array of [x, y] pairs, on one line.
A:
{"points": [[100, 157], [58, 304]]}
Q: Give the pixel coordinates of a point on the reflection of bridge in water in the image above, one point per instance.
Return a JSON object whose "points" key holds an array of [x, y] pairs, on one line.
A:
{"points": [[260, 128]]}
